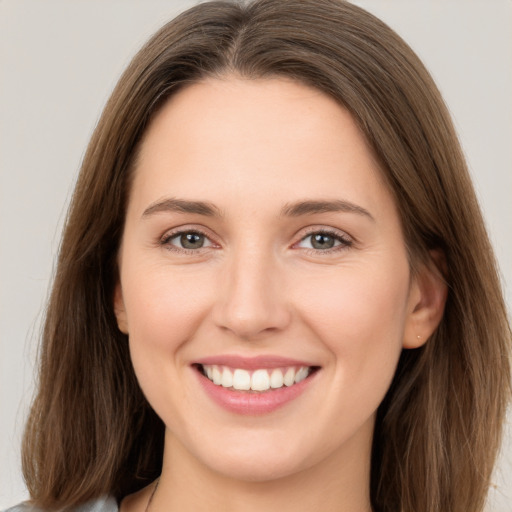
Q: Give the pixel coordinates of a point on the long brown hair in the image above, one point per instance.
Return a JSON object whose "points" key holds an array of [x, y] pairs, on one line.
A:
{"points": [[91, 431]]}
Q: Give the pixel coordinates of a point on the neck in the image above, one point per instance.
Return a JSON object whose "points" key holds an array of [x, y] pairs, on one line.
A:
{"points": [[338, 483]]}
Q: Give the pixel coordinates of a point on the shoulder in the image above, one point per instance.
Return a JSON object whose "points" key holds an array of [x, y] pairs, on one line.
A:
{"points": [[104, 504]]}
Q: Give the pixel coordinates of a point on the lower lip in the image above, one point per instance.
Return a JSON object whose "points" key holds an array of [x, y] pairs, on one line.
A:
{"points": [[253, 403]]}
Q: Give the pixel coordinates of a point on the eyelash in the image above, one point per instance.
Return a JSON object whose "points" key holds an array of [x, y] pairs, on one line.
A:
{"points": [[168, 237], [345, 242]]}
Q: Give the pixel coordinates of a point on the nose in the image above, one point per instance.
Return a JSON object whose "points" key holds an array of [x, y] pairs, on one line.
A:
{"points": [[252, 300]]}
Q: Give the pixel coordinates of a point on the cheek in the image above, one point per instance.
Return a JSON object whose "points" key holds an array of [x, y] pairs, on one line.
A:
{"points": [[164, 309], [359, 315]]}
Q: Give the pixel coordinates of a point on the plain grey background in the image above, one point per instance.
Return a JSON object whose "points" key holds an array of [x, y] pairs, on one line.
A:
{"points": [[59, 60]]}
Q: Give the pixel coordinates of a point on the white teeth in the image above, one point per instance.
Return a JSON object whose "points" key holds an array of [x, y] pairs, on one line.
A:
{"points": [[259, 380], [227, 378], [276, 379], [301, 374], [289, 377], [241, 380], [216, 376]]}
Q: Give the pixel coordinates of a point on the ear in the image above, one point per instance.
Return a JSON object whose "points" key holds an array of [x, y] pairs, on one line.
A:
{"points": [[427, 299], [120, 310]]}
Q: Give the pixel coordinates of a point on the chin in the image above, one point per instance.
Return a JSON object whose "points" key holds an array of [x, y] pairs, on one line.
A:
{"points": [[258, 467], [259, 456]]}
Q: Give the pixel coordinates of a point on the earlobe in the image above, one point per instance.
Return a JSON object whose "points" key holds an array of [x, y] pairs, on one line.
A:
{"points": [[120, 310], [427, 299]]}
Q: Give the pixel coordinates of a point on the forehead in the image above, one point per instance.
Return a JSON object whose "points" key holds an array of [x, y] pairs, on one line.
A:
{"points": [[236, 108], [259, 138]]}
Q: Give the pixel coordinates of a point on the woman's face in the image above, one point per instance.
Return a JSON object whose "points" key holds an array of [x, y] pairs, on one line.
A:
{"points": [[261, 247]]}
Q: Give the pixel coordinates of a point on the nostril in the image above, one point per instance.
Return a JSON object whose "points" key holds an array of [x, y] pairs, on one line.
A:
{"points": [[254, 324], [251, 303]]}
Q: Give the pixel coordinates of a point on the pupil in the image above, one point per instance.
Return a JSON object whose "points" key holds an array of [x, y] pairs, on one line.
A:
{"points": [[321, 241], [192, 241]]}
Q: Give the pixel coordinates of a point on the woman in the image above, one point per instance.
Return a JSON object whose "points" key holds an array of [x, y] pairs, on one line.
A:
{"points": [[274, 287]]}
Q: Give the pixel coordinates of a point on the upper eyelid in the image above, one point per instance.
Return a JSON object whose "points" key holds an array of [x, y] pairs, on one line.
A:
{"points": [[328, 233], [298, 237], [310, 230], [165, 241], [173, 232]]}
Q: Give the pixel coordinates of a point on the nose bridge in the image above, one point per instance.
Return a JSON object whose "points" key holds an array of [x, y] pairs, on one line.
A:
{"points": [[251, 302]]}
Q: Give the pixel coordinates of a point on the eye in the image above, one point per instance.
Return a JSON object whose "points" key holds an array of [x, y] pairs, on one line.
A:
{"points": [[187, 240], [324, 240]]}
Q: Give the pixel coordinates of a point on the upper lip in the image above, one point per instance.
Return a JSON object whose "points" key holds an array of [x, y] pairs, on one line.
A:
{"points": [[251, 363]]}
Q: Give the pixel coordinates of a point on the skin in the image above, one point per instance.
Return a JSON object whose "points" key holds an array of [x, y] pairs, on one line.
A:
{"points": [[258, 286]]}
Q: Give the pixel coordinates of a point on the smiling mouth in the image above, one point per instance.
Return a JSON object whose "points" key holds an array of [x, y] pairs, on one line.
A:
{"points": [[258, 380]]}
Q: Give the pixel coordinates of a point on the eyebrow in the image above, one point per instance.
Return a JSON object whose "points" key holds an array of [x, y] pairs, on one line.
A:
{"points": [[297, 209], [182, 206], [311, 207]]}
